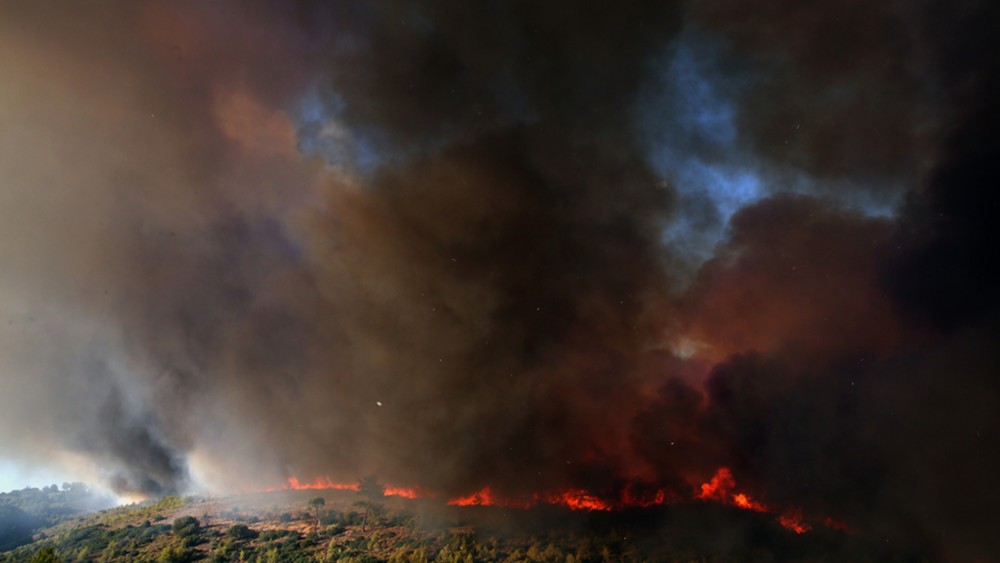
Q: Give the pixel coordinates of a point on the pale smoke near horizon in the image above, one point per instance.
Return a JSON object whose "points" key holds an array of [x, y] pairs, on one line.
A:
{"points": [[117, 152], [504, 244]]}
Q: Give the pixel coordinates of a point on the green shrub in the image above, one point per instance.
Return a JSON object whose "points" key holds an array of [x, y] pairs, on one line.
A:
{"points": [[175, 554], [406, 554], [186, 526], [46, 555], [192, 540], [270, 535], [241, 532]]}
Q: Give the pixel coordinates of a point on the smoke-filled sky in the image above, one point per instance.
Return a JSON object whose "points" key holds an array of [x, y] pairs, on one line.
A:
{"points": [[520, 244]]}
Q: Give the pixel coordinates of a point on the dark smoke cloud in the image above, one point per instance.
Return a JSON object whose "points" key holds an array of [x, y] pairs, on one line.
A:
{"points": [[509, 244], [947, 269], [824, 73]]}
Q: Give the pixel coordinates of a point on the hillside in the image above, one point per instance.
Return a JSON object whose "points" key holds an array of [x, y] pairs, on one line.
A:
{"points": [[283, 527]]}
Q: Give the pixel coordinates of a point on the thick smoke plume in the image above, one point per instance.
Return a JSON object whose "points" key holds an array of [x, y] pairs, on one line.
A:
{"points": [[511, 244]]}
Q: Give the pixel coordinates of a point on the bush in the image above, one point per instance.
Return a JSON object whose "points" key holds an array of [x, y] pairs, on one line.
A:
{"points": [[352, 518], [192, 540], [186, 526], [45, 555], [174, 554], [241, 532], [408, 554], [271, 535]]}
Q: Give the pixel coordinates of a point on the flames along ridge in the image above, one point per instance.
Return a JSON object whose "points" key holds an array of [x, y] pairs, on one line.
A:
{"points": [[721, 488]]}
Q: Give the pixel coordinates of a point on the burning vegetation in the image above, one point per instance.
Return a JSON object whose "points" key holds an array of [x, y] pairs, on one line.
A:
{"points": [[720, 489], [522, 259], [357, 522]]}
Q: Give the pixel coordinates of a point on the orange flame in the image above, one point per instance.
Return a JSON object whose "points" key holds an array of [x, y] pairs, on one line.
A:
{"points": [[575, 499], [747, 503], [478, 498], [400, 492], [325, 483], [838, 525], [578, 499], [483, 497], [720, 488], [792, 519], [630, 498], [319, 483]]}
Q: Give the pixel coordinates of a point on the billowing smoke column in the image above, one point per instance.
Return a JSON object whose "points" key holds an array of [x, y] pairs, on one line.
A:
{"points": [[509, 244]]}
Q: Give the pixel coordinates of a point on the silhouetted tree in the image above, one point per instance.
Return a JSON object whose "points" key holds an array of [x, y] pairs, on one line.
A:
{"points": [[373, 493], [316, 504]]}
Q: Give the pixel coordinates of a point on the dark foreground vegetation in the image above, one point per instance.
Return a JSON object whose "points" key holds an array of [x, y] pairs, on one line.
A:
{"points": [[318, 526]]}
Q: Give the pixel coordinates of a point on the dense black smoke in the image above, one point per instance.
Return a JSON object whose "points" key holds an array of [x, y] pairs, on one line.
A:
{"points": [[510, 244]]}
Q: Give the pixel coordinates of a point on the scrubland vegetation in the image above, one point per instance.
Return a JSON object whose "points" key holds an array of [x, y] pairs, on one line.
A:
{"points": [[321, 526]]}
